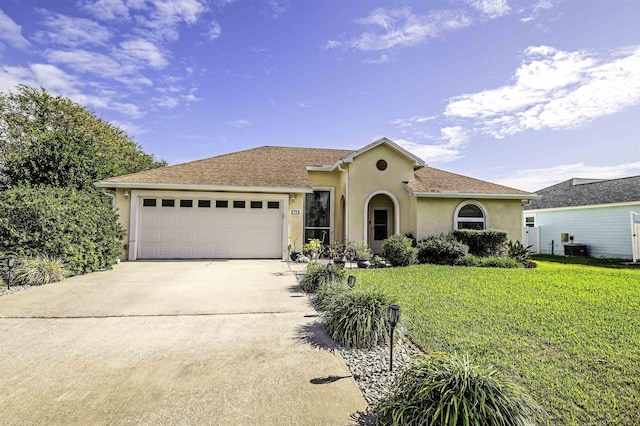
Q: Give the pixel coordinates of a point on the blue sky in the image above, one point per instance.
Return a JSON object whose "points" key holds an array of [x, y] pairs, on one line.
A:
{"points": [[523, 93]]}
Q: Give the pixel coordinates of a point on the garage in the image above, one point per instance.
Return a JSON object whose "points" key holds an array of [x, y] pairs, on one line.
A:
{"points": [[209, 228]]}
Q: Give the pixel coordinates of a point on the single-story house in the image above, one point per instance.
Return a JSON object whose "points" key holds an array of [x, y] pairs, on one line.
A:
{"points": [[593, 212], [257, 202]]}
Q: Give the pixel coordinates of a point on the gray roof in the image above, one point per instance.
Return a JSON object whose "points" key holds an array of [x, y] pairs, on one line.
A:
{"points": [[587, 192]]}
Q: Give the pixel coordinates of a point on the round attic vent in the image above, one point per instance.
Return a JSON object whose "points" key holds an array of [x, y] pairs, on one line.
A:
{"points": [[381, 165]]}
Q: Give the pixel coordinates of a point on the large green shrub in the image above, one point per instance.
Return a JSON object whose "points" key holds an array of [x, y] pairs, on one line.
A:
{"points": [[359, 319], [38, 271], [78, 227], [318, 275], [441, 250], [448, 390], [482, 243], [398, 250]]}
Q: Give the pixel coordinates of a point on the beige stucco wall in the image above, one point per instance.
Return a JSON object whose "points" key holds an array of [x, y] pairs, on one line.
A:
{"points": [[123, 208], [365, 180], [435, 216]]}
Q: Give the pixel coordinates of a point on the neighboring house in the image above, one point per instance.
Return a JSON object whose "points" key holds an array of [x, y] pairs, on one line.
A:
{"points": [[595, 212], [254, 203]]}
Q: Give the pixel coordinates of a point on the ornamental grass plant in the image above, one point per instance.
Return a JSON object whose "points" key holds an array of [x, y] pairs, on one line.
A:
{"points": [[38, 271], [449, 390], [358, 319]]}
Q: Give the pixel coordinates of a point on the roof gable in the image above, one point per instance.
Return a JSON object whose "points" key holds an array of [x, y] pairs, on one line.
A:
{"points": [[418, 162], [586, 192]]}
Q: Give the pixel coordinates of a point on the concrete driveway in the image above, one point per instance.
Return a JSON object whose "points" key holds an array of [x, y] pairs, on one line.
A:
{"points": [[185, 342]]}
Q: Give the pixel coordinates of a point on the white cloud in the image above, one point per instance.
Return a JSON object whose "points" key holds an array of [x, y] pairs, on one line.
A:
{"points": [[382, 59], [278, 7], [491, 8], [214, 31], [11, 32], [131, 128], [536, 179], [554, 89], [157, 19], [452, 140], [240, 123], [411, 121], [168, 102], [111, 9], [58, 82], [430, 153], [145, 51], [67, 31], [400, 27]]}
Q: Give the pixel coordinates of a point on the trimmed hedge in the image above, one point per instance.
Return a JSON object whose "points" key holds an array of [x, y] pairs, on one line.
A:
{"points": [[78, 227], [399, 251], [441, 250], [482, 243]]}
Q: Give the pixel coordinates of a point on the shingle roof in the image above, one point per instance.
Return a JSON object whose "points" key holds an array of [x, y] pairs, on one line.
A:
{"points": [[585, 192], [286, 167], [267, 166], [431, 180]]}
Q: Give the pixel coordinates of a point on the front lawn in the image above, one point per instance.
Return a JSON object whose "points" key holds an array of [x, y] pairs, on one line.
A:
{"points": [[569, 333]]}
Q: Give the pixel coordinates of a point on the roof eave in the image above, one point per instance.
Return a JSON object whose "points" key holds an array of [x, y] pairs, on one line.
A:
{"points": [[201, 187], [479, 195]]}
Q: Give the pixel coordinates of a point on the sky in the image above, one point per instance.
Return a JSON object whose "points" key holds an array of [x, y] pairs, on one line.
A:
{"points": [[525, 93]]}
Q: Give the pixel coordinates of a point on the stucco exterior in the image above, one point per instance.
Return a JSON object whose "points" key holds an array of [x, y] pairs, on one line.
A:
{"points": [[437, 215], [368, 198]]}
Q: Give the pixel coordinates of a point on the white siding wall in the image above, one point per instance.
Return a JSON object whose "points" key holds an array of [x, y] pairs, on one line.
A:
{"points": [[605, 230]]}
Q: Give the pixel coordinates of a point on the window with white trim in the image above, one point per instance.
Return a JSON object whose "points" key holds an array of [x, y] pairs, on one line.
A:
{"points": [[470, 216]]}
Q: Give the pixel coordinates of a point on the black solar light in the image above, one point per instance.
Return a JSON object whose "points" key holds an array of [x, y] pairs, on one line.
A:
{"points": [[351, 281], [394, 318], [330, 267], [11, 262]]}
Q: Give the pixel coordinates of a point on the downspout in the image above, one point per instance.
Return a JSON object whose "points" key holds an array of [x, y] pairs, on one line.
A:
{"points": [[346, 204]]}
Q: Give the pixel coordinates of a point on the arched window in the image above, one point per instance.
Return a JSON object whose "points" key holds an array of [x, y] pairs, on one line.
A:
{"points": [[470, 216]]}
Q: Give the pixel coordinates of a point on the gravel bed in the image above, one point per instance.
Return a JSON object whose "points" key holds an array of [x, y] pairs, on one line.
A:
{"points": [[370, 367], [13, 289]]}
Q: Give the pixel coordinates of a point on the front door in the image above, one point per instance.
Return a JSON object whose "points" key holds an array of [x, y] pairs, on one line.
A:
{"points": [[379, 226]]}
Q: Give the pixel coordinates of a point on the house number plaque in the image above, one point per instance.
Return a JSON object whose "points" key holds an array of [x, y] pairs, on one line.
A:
{"points": [[295, 212]]}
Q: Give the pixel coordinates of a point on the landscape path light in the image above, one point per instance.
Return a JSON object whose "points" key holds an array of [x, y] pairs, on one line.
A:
{"points": [[351, 281], [394, 318], [11, 262], [330, 267]]}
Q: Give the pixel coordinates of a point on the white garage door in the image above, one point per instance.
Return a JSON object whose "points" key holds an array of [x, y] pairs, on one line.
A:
{"points": [[174, 228]]}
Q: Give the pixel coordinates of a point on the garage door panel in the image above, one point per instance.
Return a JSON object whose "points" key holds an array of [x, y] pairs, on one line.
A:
{"points": [[173, 232]]}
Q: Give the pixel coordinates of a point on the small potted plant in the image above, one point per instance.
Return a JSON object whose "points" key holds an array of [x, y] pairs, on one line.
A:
{"points": [[295, 254], [361, 253], [339, 253], [312, 248]]}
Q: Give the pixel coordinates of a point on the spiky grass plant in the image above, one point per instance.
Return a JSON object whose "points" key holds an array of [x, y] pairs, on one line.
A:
{"points": [[358, 319], [318, 275], [38, 271], [329, 295], [448, 390]]}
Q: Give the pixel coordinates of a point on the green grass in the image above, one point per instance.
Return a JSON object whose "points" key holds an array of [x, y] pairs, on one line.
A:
{"points": [[570, 334], [591, 261]]}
